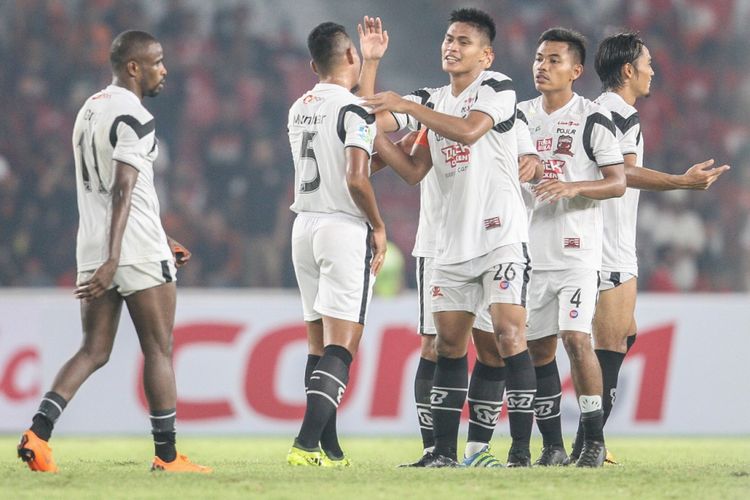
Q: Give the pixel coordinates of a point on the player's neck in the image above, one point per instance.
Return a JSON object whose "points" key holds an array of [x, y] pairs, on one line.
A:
{"points": [[131, 86], [626, 93], [460, 81], [552, 101], [339, 80]]}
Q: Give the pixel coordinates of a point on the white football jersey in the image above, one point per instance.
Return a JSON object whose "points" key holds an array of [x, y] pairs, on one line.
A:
{"points": [[620, 214], [114, 125], [574, 142], [322, 124], [479, 206]]}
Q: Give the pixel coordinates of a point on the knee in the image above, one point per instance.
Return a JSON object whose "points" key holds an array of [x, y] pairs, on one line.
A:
{"points": [[428, 349], [98, 357], [511, 336], [576, 345], [450, 348], [543, 351]]}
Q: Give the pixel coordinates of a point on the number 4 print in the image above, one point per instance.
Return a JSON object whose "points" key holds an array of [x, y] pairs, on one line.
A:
{"points": [[576, 298]]}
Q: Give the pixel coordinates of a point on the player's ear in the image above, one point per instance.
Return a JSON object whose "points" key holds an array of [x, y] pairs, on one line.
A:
{"points": [[350, 55], [132, 68], [489, 57], [627, 71], [577, 70], [314, 67]]}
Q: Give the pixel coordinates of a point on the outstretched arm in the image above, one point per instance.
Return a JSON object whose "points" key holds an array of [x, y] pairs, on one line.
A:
{"points": [[373, 43], [699, 176]]}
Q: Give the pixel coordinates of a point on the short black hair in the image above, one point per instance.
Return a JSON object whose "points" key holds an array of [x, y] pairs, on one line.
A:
{"points": [[576, 41], [477, 18], [613, 53], [323, 43], [126, 46]]}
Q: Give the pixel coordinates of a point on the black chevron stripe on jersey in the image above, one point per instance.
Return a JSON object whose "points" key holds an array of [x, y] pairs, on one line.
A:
{"points": [[594, 119], [499, 86], [521, 116], [625, 124], [359, 110], [505, 126], [422, 94], [140, 129]]}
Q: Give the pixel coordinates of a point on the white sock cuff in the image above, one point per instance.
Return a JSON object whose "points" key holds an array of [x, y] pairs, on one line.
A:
{"points": [[589, 403]]}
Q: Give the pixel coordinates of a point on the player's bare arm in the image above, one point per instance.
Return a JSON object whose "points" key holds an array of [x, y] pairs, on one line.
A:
{"points": [[358, 182], [410, 167], [698, 177], [179, 251], [530, 168], [122, 193], [612, 185], [373, 43], [405, 143], [463, 130]]}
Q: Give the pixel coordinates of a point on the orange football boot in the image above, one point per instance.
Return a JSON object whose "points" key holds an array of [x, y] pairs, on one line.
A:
{"points": [[36, 453], [179, 464]]}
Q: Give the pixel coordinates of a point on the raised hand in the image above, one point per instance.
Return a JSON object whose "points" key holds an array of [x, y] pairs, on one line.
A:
{"points": [[373, 40]]}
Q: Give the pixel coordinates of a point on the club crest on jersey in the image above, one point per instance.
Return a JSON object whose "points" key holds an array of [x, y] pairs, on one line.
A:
{"points": [[456, 154], [553, 169], [436, 292], [564, 145], [543, 145], [571, 242]]}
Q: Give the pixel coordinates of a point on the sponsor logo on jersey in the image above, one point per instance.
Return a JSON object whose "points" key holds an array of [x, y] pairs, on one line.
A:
{"points": [[468, 103], [553, 169], [365, 133], [492, 223], [568, 123], [544, 144], [456, 154], [571, 242], [564, 145], [436, 292], [574, 314], [310, 98], [504, 284]]}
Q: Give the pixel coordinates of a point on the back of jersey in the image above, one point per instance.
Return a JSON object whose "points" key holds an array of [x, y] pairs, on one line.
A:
{"points": [[322, 124], [114, 125]]}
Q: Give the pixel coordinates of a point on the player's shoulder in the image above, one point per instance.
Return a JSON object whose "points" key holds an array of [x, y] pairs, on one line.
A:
{"points": [[616, 104], [427, 94], [588, 108], [530, 106], [495, 80]]}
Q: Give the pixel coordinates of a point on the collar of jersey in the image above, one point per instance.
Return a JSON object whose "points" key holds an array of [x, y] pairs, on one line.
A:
{"points": [[330, 86], [116, 89], [561, 110]]}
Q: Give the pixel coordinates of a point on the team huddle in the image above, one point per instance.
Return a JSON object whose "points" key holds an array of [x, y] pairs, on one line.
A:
{"points": [[526, 234]]}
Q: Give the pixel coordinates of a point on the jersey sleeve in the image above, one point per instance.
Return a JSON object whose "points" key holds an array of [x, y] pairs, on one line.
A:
{"points": [[421, 96], [523, 136], [497, 98], [599, 139], [629, 132], [356, 127], [133, 141]]}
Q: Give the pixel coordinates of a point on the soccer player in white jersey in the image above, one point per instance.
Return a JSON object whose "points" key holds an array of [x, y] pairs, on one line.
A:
{"points": [[623, 63], [338, 238], [583, 164], [480, 246], [123, 254]]}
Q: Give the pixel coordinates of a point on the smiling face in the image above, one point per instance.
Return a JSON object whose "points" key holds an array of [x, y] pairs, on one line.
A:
{"points": [[555, 67], [152, 73], [465, 49]]}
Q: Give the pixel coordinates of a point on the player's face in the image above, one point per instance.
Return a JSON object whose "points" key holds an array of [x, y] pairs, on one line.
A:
{"points": [[153, 73], [643, 74], [555, 67], [465, 49]]}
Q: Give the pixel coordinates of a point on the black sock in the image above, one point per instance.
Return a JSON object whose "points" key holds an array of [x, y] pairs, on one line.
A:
{"points": [[329, 439], [485, 400], [162, 428], [547, 403], [610, 362], [593, 425], [422, 388], [446, 402], [630, 341], [50, 408], [326, 387], [520, 390]]}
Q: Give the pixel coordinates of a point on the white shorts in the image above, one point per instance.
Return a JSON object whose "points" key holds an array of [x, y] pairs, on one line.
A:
{"points": [[332, 258], [613, 279], [561, 300], [498, 277], [136, 277], [426, 326]]}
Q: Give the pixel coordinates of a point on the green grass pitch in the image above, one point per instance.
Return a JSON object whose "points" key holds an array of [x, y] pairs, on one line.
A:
{"points": [[247, 467]]}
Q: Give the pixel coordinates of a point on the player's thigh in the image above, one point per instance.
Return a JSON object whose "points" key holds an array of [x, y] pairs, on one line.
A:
{"points": [[615, 316], [577, 293], [453, 332], [342, 250], [99, 320], [152, 311], [343, 333], [542, 306], [426, 325], [305, 265], [315, 342]]}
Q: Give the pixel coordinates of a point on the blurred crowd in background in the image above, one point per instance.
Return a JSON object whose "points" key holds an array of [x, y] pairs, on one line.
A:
{"points": [[225, 173]]}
